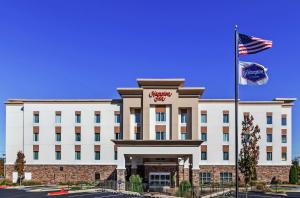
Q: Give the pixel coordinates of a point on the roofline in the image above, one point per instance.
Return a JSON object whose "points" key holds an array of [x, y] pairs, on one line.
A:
{"points": [[22, 101]]}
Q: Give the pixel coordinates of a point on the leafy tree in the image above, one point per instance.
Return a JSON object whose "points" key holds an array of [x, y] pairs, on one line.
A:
{"points": [[294, 172], [249, 152], [20, 165], [1, 167]]}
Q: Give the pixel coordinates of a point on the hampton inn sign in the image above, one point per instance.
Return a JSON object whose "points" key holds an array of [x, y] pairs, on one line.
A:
{"points": [[160, 95]]}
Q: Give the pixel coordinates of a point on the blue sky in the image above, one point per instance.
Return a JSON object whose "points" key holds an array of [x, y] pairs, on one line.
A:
{"points": [[86, 49]]}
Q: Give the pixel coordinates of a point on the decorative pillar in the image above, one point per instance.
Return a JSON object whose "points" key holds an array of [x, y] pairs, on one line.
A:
{"points": [[186, 169], [180, 170], [121, 179], [195, 177]]}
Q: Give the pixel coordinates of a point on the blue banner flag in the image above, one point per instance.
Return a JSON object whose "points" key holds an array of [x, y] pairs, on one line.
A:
{"points": [[252, 73]]}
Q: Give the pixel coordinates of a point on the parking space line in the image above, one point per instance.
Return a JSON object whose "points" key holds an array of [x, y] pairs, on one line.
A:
{"points": [[109, 196]]}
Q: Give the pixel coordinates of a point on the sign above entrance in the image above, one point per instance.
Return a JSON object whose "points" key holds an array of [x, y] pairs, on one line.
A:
{"points": [[160, 95]]}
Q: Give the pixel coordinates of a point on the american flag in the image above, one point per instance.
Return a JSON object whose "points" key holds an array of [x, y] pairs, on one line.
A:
{"points": [[252, 45]]}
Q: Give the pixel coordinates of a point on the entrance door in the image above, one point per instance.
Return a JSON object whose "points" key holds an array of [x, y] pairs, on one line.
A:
{"points": [[159, 179]]}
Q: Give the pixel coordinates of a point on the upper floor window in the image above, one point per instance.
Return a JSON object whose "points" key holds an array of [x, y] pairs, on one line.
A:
{"points": [[203, 118], [204, 136], [138, 136], [97, 137], [283, 139], [226, 137], [116, 155], [184, 136], [225, 118], [283, 120], [35, 137], [203, 155], [269, 119], [269, 137], [58, 155], [58, 117], [97, 155], [160, 116], [269, 156], [117, 118], [35, 155], [77, 155], [36, 117], [78, 117], [184, 117], [58, 137], [283, 156], [225, 155], [118, 136], [97, 117], [77, 137], [137, 116], [160, 135]]}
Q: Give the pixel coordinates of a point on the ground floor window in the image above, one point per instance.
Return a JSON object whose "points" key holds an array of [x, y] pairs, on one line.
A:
{"points": [[97, 176], [205, 178], [159, 179], [225, 177]]}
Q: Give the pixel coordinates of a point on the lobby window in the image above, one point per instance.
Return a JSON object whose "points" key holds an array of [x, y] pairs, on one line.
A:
{"points": [[97, 117], [283, 139], [58, 137], [203, 117], [205, 178], [269, 156], [225, 177], [225, 137], [97, 155], [35, 155], [204, 136], [78, 117], [269, 119], [203, 155], [160, 116], [269, 137], [35, 137], [283, 120], [160, 135], [138, 136], [58, 155], [137, 116], [283, 156], [97, 137], [226, 117], [225, 155], [36, 117], [77, 155], [77, 137], [184, 116], [57, 117], [184, 136]]}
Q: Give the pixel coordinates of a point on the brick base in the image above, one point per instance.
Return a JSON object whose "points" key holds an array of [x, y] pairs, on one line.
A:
{"points": [[70, 173], [264, 173]]}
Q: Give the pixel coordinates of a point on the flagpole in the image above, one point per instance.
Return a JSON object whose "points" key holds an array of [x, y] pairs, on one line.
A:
{"points": [[236, 102]]}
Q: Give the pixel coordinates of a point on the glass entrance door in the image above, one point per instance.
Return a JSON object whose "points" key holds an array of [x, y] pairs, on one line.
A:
{"points": [[159, 179]]}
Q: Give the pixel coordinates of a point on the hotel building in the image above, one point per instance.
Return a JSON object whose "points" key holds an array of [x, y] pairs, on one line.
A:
{"points": [[161, 130]]}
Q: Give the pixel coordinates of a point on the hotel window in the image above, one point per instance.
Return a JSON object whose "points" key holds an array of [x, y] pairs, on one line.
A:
{"points": [[117, 118], [269, 137], [138, 136], [77, 137], [204, 136], [203, 155], [184, 136], [137, 116], [57, 117], [77, 117], [205, 178], [58, 137], [283, 156], [36, 117], [160, 116], [97, 117], [35, 155], [203, 118], [97, 137], [225, 155], [58, 155], [117, 136], [226, 137], [116, 155], [269, 119], [283, 120], [160, 135], [184, 116], [97, 155], [225, 177], [35, 137], [77, 155], [269, 156], [283, 139], [225, 117], [247, 137]]}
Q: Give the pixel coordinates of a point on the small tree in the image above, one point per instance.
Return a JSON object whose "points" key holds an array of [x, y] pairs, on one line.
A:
{"points": [[249, 152], [294, 172], [20, 165], [136, 183], [184, 189], [1, 167]]}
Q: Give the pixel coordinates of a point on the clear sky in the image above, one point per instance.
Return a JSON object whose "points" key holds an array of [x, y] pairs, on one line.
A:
{"points": [[86, 49]]}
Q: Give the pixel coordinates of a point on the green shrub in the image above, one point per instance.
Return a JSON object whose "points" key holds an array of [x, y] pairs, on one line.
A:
{"points": [[293, 177], [136, 183], [6, 182], [31, 183], [184, 189]]}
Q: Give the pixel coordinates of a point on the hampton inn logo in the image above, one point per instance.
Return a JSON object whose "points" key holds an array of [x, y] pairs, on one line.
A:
{"points": [[160, 95]]}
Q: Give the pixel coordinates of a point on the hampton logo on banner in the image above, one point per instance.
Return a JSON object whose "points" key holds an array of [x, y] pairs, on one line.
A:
{"points": [[252, 73]]}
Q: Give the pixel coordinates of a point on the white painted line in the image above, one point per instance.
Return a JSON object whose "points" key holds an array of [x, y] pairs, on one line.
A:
{"points": [[109, 196], [82, 195]]}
